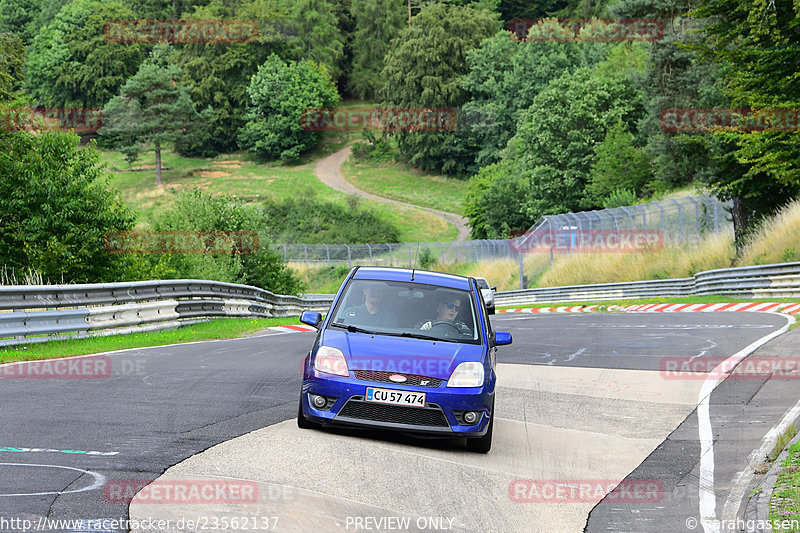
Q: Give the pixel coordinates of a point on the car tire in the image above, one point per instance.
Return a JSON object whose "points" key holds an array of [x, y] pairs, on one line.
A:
{"points": [[302, 421], [483, 444]]}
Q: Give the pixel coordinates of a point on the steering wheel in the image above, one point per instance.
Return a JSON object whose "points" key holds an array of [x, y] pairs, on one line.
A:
{"points": [[446, 323]]}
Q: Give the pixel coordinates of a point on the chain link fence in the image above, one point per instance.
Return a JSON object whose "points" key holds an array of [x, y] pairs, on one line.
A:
{"points": [[679, 220]]}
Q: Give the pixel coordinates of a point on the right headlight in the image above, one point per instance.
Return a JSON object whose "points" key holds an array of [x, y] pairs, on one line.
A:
{"points": [[331, 361], [468, 374]]}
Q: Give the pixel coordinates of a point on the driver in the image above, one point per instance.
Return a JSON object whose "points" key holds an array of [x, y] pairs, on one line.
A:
{"points": [[372, 312], [447, 311]]}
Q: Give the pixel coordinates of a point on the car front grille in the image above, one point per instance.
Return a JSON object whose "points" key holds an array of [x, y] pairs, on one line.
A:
{"points": [[431, 415], [411, 379]]}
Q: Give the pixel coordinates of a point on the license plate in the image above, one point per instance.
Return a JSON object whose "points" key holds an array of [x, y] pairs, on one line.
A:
{"points": [[395, 397]]}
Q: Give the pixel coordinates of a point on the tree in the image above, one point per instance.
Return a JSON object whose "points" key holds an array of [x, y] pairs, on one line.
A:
{"points": [[555, 142], [757, 44], [505, 75], [279, 95], [676, 78], [71, 63], [318, 36], [423, 69], [12, 62], [219, 73], [377, 22], [619, 164], [56, 211], [152, 109], [256, 264], [16, 17], [495, 202]]}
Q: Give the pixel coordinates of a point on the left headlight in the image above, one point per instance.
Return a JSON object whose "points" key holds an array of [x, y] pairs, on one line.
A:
{"points": [[469, 374]]}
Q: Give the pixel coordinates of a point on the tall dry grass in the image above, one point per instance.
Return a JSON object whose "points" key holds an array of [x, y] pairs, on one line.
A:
{"points": [[672, 261], [776, 240]]}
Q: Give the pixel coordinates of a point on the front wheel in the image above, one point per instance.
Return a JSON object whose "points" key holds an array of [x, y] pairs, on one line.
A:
{"points": [[483, 444]]}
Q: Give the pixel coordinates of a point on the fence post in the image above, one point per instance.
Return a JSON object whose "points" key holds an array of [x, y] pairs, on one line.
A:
{"points": [[305, 249], [370, 255], [716, 215], [680, 218], [696, 213], [328, 253], [349, 259], [391, 258], [644, 216], [630, 218]]}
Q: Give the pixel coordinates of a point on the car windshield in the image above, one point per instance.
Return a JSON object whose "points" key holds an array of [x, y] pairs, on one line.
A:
{"points": [[407, 309]]}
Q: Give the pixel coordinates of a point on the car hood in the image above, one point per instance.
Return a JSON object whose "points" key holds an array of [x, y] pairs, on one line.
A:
{"points": [[403, 355]]}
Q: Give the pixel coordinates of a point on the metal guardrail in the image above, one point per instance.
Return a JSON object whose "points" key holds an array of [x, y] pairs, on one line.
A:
{"points": [[781, 280], [38, 313]]}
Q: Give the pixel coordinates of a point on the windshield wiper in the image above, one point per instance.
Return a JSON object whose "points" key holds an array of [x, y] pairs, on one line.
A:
{"points": [[353, 329], [420, 336]]}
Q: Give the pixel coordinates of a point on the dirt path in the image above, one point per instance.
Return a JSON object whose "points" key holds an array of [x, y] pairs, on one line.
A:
{"points": [[329, 172]]}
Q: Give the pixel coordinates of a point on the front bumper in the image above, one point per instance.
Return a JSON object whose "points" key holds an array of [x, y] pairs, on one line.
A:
{"points": [[438, 417]]}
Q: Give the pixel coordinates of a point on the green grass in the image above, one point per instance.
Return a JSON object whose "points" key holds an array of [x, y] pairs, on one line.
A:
{"points": [[221, 328], [784, 502], [604, 304], [400, 182], [245, 177], [784, 439]]}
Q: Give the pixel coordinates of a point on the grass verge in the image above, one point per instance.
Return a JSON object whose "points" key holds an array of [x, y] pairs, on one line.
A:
{"points": [[405, 184], [220, 328], [604, 305], [784, 502]]}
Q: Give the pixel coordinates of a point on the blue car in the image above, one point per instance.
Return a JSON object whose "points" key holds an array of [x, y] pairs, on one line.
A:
{"points": [[407, 350]]}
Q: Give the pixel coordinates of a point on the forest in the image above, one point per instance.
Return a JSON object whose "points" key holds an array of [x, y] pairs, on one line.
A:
{"points": [[558, 108]]}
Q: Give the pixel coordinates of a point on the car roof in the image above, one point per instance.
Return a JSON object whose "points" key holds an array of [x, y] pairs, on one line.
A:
{"points": [[427, 277]]}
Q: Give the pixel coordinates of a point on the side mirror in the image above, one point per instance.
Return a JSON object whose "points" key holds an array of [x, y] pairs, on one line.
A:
{"points": [[501, 338], [494, 289], [311, 318]]}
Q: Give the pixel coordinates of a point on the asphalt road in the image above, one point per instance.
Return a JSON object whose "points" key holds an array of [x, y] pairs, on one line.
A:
{"points": [[581, 397]]}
